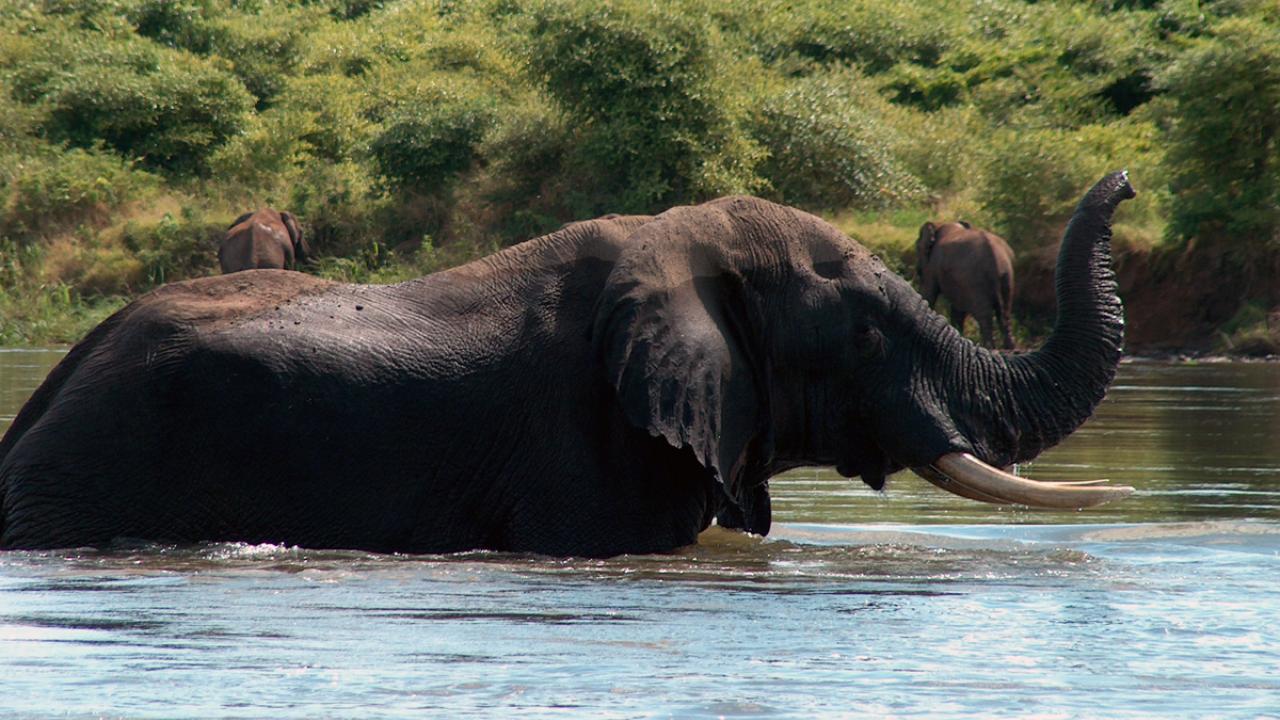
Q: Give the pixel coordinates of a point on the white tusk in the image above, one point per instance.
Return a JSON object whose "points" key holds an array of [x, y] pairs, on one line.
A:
{"points": [[967, 476]]}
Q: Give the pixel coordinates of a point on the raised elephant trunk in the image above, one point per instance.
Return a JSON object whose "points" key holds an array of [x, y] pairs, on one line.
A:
{"points": [[1041, 397]]}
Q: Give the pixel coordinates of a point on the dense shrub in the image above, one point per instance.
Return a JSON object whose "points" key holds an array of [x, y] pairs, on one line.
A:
{"points": [[263, 44], [872, 35], [175, 248], [266, 156], [826, 151], [52, 190], [643, 85], [525, 180], [1224, 145], [339, 127], [17, 122], [940, 148], [340, 207], [168, 108], [264, 49], [1032, 181], [431, 137]]}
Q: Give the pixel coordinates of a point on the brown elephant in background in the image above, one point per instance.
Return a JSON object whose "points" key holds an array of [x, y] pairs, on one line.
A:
{"points": [[263, 239], [973, 268]]}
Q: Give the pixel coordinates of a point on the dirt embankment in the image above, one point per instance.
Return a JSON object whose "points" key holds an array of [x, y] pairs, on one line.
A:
{"points": [[1175, 301]]}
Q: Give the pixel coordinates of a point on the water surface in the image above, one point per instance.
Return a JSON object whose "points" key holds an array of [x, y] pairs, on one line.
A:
{"points": [[911, 603]]}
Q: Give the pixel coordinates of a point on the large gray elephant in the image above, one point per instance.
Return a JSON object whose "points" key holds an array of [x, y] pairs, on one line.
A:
{"points": [[263, 239], [973, 268], [609, 388]]}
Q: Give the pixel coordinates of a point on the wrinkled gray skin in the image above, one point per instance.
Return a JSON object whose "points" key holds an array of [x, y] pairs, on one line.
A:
{"points": [[973, 268], [265, 239], [608, 388]]}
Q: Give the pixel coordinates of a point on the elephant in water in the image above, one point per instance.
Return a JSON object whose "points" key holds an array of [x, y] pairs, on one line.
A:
{"points": [[973, 268], [264, 239], [609, 388]]}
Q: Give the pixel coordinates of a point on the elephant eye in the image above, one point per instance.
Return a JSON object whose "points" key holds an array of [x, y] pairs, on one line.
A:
{"points": [[869, 342], [830, 269]]}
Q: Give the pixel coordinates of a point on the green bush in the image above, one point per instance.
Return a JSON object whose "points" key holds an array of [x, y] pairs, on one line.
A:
{"points": [[925, 88], [875, 36], [267, 155], [175, 248], [643, 86], [938, 147], [264, 49], [17, 123], [339, 206], [338, 128], [1224, 141], [428, 139], [826, 151], [183, 24], [525, 181], [56, 190], [165, 107], [1032, 181], [1066, 66]]}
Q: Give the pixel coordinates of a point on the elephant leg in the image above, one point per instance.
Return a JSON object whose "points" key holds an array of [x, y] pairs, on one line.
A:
{"points": [[1003, 318], [957, 318], [984, 326]]}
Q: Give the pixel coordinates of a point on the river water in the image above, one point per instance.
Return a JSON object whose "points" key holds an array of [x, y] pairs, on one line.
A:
{"points": [[908, 604]]}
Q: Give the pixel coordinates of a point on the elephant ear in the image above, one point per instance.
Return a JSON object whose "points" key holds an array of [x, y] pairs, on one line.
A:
{"points": [[675, 356], [928, 236], [240, 219], [300, 248]]}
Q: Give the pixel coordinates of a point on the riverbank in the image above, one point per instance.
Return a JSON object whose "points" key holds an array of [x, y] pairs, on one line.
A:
{"points": [[1180, 304]]}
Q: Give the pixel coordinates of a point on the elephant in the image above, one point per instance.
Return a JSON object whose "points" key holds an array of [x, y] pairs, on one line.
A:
{"points": [[613, 387], [974, 269], [263, 239]]}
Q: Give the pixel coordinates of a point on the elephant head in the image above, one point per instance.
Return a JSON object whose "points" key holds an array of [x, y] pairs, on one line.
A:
{"points": [[797, 347], [927, 239]]}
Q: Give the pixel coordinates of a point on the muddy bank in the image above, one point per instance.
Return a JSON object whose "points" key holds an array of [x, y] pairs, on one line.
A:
{"points": [[1179, 302]]}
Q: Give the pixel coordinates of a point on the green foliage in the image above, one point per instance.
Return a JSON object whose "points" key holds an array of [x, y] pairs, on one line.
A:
{"points": [[431, 137], [17, 123], [337, 128], [1065, 66], [175, 248], [264, 49], [341, 210], [1224, 141], [826, 151], [167, 108], [526, 153], [936, 147], [127, 126], [51, 191], [1032, 181], [872, 35], [643, 86]]}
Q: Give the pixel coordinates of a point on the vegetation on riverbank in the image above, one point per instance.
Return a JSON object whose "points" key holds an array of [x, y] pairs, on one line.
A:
{"points": [[408, 135]]}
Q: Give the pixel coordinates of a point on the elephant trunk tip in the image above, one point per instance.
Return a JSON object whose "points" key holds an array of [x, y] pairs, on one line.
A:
{"points": [[1110, 191]]}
